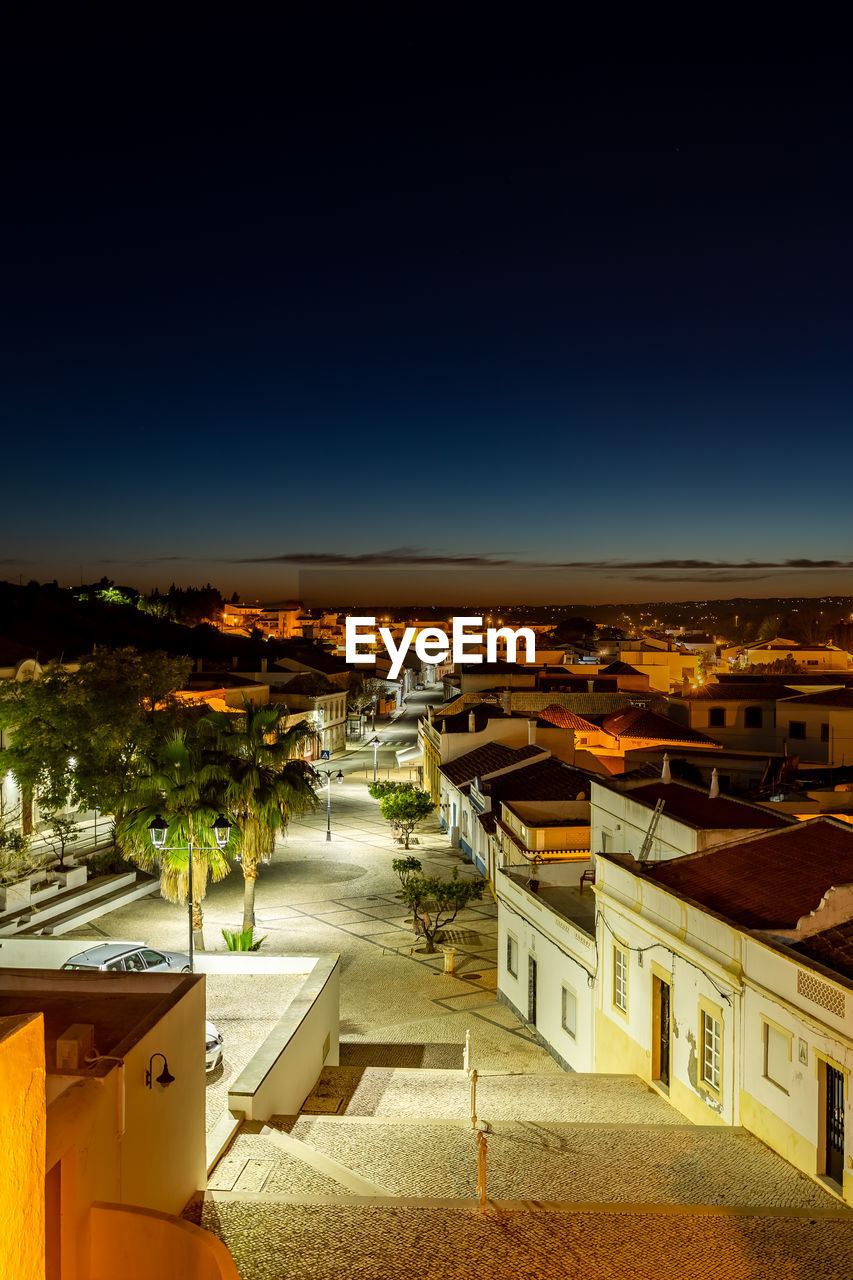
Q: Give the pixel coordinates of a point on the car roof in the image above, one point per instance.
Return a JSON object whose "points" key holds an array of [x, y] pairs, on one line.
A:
{"points": [[107, 951]]}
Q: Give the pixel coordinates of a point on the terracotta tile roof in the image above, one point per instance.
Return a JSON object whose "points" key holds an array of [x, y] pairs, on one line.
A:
{"points": [[583, 704], [738, 693], [767, 882], [638, 722], [563, 718], [548, 780], [695, 807], [832, 948], [619, 669], [487, 759]]}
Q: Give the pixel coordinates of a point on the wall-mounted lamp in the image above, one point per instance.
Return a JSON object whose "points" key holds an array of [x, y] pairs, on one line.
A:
{"points": [[165, 1077]]}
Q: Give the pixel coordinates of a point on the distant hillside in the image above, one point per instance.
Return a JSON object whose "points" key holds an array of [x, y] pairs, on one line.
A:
{"points": [[47, 621]]}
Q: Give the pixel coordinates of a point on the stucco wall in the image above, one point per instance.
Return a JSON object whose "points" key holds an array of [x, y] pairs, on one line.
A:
{"points": [[22, 1136]]}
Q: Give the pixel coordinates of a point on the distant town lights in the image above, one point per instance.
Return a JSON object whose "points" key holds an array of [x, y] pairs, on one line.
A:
{"points": [[432, 644]]}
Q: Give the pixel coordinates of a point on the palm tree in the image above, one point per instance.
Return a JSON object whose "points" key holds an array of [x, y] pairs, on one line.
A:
{"points": [[181, 785], [267, 780]]}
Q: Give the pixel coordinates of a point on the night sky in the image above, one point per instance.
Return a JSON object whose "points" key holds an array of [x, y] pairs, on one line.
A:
{"points": [[482, 311]]}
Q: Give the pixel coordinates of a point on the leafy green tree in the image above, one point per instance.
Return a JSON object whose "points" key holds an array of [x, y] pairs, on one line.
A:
{"points": [[40, 717], [266, 780], [77, 736], [381, 788], [180, 784], [405, 809], [17, 859], [405, 868], [63, 831], [436, 903]]}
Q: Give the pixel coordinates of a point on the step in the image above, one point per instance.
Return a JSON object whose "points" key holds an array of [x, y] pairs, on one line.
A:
{"points": [[564, 1096], [592, 1163], [90, 908], [43, 905]]}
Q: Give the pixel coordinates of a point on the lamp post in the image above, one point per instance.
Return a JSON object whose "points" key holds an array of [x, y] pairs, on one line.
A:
{"points": [[375, 744], [157, 830], [339, 778]]}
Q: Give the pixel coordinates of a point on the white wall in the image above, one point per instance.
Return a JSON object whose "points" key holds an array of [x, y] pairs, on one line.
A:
{"points": [[287, 1065], [563, 954]]}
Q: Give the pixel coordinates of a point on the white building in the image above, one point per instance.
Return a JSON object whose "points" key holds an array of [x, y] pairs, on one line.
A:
{"points": [[724, 979]]}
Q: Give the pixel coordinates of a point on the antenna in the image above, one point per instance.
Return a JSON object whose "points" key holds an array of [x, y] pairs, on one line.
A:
{"points": [[646, 847]]}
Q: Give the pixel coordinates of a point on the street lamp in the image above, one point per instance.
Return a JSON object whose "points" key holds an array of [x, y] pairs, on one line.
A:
{"points": [[158, 829], [339, 778], [375, 744]]}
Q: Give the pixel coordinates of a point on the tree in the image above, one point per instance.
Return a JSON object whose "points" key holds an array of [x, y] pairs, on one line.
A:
{"points": [[179, 784], [77, 736], [266, 781], [39, 715], [382, 787], [436, 903], [63, 832], [405, 808], [405, 868], [17, 860], [363, 692]]}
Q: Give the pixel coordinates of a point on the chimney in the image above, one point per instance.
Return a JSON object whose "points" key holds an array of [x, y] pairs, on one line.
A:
{"points": [[264, 662], [429, 713], [531, 733], [589, 685], [506, 701], [665, 775], [714, 789], [199, 664], [472, 722], [234, 662]]}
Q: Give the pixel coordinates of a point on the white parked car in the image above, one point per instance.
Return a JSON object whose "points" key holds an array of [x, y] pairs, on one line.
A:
{"points": [[212, 1046], [129, 957]]}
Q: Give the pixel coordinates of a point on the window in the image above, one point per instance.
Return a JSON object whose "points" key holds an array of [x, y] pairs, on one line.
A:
{"points": [[134, 962], [712, 1040], [796, 729], [824, 733], [115, 964], [620, 979], [717, 717], [752, 718], [512, 955], [153, 958], [464, 822], [570, 1011], [777, 1056]]}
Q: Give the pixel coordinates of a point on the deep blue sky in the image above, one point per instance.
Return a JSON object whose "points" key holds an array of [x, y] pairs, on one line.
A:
{"points": [[411, 292]]}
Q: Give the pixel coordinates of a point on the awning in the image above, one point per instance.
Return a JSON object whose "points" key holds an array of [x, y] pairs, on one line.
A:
{"points": [[410, 755]]}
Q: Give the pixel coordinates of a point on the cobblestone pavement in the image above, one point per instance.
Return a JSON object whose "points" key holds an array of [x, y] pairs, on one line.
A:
{"points": [[582, 1163], [331, 1242], [244, 1008], [286, 1175], [446, 1095]]}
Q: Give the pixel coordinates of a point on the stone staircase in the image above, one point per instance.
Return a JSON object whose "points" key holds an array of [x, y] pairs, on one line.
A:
{"points": [[592, 1176], [406, 1135], [54, 911]]}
